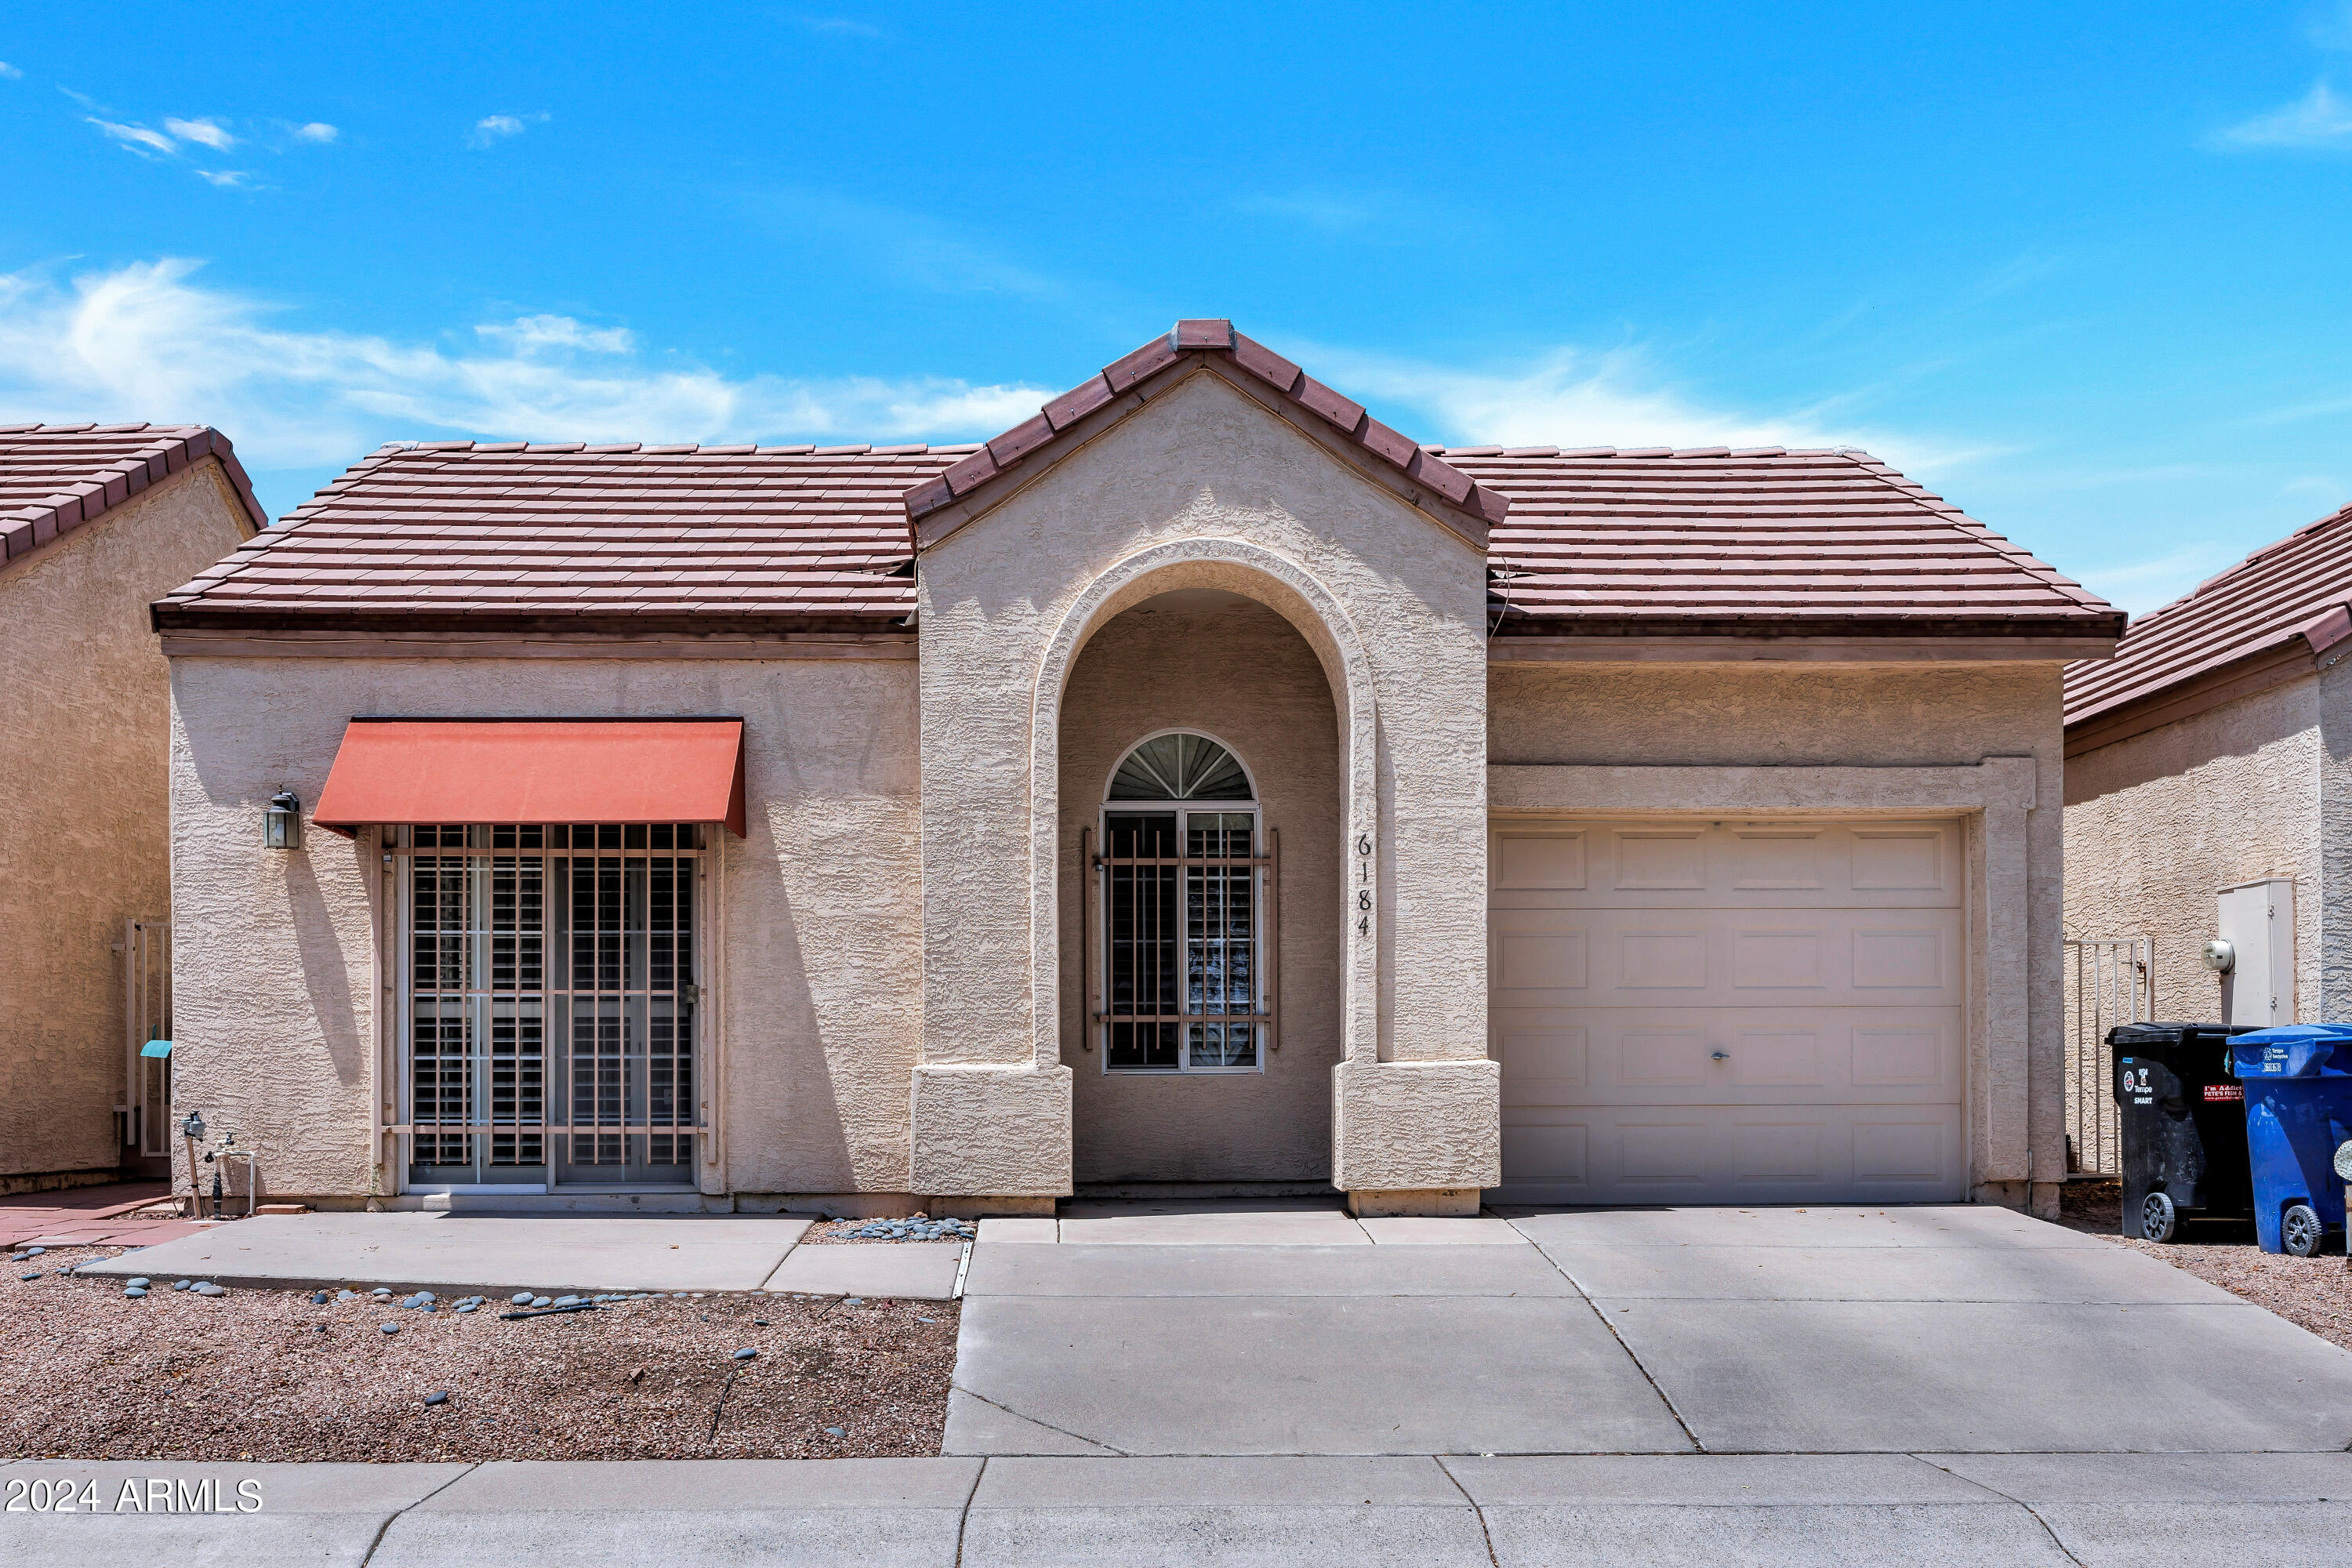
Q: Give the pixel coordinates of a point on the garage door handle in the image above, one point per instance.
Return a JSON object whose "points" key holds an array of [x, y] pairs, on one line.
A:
{"points": [[1723, 1056]]}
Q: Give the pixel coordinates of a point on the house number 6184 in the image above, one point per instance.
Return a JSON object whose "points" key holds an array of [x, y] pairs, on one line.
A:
{"points": [[1363, 884]]}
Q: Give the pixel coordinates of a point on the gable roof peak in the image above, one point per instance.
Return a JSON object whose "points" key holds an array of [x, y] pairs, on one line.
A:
{"points": [[1199, 339]]}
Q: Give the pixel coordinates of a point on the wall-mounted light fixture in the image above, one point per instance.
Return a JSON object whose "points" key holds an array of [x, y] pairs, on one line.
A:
{"points": [[281, 823]]}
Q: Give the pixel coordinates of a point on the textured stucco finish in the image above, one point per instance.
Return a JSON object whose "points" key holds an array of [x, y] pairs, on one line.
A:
{"points": [[1779, 721], [2157, 824], [83, 763], [819, 1011], [1204, 486], [1244, 676]]}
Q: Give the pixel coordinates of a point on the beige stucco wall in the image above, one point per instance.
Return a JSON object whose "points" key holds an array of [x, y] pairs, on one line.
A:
{"points": [[2157, 824], [1772, 715], [1204, 486], [83, 728], [276, 962], [1244, 676]]}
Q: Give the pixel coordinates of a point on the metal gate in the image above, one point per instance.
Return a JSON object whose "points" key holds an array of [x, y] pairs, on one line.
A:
{"points": [[147, 1015], [548, 1004], [2109, 981]]}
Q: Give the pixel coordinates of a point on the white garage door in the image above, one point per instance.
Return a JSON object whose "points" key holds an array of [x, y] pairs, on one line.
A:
{"points": [[1728, 1012]]}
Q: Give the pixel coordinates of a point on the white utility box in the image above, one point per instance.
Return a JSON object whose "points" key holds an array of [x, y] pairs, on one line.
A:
{"points": [[2258, 923]]}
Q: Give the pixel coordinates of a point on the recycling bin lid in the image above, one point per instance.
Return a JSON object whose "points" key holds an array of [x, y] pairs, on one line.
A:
{"points": [[2291, 1050]]}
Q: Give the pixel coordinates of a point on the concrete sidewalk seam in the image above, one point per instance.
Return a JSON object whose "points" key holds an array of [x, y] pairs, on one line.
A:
{"points": [[1048, 1425], [1485, 1533], [2031, 1512], [1594, 1308], [393, 1518]]}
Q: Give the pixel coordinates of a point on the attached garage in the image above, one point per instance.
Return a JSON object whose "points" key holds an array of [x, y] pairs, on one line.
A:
{"points": [[1729, 1011]]}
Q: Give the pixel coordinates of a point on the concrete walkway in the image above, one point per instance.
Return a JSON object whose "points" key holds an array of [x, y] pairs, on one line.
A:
{"points": [[1552, 1512], [500, 1254]]}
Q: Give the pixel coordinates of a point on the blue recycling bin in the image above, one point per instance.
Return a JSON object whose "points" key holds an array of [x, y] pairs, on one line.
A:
{"points": [[2298, 1109]]}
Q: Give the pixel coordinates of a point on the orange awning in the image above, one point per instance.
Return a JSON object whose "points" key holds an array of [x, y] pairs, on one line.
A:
{"points": [[536, 770]]}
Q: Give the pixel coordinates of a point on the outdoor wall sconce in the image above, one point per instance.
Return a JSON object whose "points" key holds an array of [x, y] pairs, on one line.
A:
{"points": [[282, 824]]}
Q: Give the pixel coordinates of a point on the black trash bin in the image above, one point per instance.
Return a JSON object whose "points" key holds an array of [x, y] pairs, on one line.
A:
{"points": [[2181, 1122]]}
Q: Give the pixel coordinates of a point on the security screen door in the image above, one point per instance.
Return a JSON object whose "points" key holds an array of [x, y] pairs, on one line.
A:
{"points": [[548, 1000]]}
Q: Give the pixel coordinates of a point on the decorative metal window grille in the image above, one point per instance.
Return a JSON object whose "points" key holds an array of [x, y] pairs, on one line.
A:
{"points": [[1188, 904], [549, 1002]]}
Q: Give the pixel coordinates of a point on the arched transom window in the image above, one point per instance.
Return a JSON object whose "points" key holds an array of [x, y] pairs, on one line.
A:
{"points": [[1180, 767], [1185, 882]]}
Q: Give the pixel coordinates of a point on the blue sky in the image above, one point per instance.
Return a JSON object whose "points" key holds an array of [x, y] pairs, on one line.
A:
{"points": [[2084, 269]]}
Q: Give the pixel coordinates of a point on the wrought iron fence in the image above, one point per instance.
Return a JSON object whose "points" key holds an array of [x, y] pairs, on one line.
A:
{"points": [[2109, 981]]}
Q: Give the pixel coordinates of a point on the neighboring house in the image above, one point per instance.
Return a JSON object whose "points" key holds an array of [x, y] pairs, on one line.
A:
{"points": [[1199, 784], [2209, 787], [95, 522]]}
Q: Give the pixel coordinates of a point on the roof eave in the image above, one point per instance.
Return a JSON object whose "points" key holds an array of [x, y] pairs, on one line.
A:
{"points": [[27, 528], [974, 487]]}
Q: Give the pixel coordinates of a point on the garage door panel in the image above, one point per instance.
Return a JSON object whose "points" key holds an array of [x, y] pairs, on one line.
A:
{"points": [[1715, 958], [1759, 1011], [1731, 1154], [1790, 864], [1539, 860], [1547, 1064], [1637, 1056], [1904, 1148]]}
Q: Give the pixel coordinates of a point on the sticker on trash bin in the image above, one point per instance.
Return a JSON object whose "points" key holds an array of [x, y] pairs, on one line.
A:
{"points": [[2218, 1091]]}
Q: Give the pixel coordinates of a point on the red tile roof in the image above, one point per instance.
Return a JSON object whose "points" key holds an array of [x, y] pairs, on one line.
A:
{"points": [[2297, 591], [1214, 340], [1595, 540], [559, 532], [1655, 540], [54, 478]]}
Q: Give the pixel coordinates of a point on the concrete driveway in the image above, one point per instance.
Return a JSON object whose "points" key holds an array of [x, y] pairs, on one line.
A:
{"points": [[1292, 1329]]}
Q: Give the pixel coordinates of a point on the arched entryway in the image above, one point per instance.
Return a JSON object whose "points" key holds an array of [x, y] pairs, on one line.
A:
{"points": [[1201, 1006]]}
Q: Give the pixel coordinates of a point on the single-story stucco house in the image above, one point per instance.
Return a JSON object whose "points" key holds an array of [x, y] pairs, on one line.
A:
{"points": [[1199, 783], [2209, 788], [95, 522]]}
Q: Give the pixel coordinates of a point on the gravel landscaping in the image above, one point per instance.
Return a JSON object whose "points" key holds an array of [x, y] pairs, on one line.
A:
{"points": [[2314, 1293], [918, 1228], [88, 1372]]}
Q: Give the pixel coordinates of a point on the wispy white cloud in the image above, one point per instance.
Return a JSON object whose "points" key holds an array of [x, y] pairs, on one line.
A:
{"points": [[9, 72], [495, 128], [2319, 119], [318, 131], [152, 342], [911, 246], [232, 179], [2139, 587], [1325, 210], [207, 132], [136, 138], [1570, 397], [544, 334]]}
